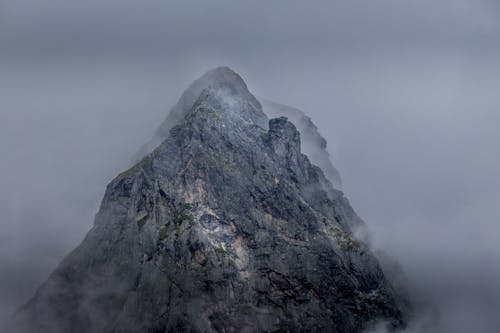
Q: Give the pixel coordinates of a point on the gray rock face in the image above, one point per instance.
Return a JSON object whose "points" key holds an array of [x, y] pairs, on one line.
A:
{"points": [[224, 227], [313, 144], [220, 79]]}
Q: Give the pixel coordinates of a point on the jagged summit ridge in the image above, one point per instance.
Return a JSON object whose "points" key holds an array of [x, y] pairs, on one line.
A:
{"points": [[220, 83], [313, 143], [221, 76], [226, 84], [225, 226]]}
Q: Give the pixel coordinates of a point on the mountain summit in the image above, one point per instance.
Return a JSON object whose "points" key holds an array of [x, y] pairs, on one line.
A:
{"points": [[224, 225]]}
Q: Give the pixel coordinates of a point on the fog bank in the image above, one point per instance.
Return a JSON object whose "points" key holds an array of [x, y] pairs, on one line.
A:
{"points": [[405, 94]]}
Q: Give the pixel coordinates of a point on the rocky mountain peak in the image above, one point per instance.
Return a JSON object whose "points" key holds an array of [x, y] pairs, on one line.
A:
{"points": [[222, 86], [219, 77], [224, 226]]}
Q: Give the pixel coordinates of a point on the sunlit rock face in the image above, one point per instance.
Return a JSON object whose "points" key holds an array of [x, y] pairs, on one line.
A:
{"points": [[225, 226]]}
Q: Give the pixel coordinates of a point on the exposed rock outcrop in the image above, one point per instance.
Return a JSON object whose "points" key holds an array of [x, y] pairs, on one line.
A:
{"points": [[224, 227]]}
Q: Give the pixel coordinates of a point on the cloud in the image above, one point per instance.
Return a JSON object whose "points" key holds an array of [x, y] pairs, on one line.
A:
{"points": [[405, 94]]}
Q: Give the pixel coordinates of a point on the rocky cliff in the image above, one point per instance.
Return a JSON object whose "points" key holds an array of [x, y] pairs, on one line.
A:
{"points": [[225, 226]]}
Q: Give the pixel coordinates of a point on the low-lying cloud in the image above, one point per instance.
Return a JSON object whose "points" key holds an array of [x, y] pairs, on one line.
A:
{"points": [[405, 94]]}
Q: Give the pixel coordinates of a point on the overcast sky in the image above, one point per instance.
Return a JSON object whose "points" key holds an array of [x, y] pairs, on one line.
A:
{"points": [[406, 93]]}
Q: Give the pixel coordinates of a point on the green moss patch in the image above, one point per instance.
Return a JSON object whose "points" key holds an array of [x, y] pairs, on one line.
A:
{"points": [[142, 218]]}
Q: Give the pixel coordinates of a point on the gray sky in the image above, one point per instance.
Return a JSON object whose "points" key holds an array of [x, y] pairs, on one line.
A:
{"points": [[406, 93]]}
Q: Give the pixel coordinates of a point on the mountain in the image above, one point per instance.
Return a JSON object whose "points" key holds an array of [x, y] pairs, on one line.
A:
{"points": [[313, 144], [225, 226]]}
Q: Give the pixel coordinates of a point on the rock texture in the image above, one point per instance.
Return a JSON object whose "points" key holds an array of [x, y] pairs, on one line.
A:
{"points": [[224, 227], [313, 144]]}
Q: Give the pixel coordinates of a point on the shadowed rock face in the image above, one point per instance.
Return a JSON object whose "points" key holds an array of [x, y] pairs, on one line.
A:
{"points": [[313, 144], [224, 227]]}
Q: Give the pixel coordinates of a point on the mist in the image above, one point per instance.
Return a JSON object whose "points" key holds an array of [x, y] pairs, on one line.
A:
{"points": [[406, 94]]}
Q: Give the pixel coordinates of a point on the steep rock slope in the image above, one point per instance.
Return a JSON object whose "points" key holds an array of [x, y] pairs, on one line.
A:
{"points": [[313, 144], [224, 227]]}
